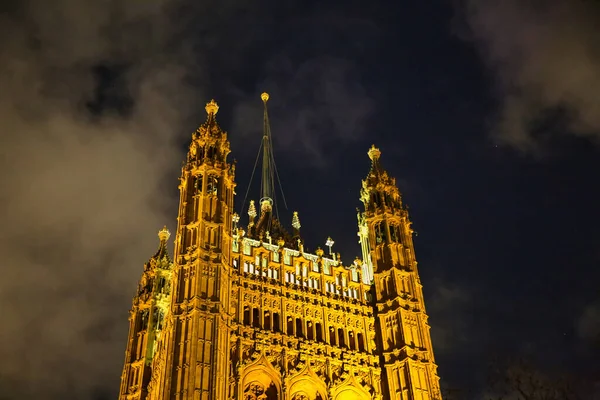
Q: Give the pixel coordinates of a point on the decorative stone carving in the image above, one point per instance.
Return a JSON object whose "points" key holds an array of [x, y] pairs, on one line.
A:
{"points": [[300, 396], [256, 391]]}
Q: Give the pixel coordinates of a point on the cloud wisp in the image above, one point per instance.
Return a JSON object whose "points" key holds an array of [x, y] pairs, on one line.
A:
{"points": [[544, 58]]}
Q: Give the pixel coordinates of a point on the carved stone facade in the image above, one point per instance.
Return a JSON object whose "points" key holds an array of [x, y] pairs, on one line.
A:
{"points": [[247, 314]]}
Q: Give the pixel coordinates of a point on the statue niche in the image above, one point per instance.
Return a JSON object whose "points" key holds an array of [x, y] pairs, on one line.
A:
{"points": [[256, 391]]}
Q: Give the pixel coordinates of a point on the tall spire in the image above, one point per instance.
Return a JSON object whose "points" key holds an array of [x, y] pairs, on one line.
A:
{"points": [[266, 184], [268, 220]]}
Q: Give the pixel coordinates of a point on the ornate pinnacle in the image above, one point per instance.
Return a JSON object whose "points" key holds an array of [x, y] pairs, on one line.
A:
{"points": [[164, 234], [374, 153], [264, 97], [252, 210], [329, 243], [212, 107], [296, 221]]}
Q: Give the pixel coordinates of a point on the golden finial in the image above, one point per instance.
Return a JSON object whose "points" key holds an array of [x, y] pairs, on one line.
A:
{"points": [[374, 153], [212, 107], [164, 234], [264, 97]]}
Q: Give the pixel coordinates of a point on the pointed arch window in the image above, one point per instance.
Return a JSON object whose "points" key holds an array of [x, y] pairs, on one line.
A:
{"points": [[380, 233], [376, 199], [395, 233], [212, 185], [210, 153]]}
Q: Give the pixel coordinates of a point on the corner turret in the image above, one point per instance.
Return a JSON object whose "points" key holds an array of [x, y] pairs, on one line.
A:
{"points": [[146, 320]]}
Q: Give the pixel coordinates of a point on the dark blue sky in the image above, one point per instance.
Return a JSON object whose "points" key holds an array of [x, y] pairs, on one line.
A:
{"points": [[486, 112]]}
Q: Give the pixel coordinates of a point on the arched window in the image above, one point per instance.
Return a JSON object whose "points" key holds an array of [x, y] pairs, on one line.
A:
{"points": [[332, 340], [210, 152], [361, 343], [319, 332], [299, 330], [394, 233], [246, 315], [380, 233], [309, 330], [341, 338], [352, 341], [212, 185], [267, 319], [256, 317]]}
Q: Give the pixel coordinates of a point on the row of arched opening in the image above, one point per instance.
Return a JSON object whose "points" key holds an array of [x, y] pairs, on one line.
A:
{"points": [[298, 327]]}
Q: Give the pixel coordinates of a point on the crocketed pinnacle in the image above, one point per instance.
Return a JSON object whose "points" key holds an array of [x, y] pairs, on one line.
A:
{"points": [[162, 252], [374, 153], [212, 107], [296, 221], [252, 211], [164, 234]]}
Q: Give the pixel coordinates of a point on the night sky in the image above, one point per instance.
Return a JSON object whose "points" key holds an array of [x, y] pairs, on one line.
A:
{"points": [[487, 114]]}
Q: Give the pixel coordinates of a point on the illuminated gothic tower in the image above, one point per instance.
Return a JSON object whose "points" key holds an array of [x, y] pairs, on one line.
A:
{"points": [[146, 320], [193, 359], [247, 312], [403, 338]]}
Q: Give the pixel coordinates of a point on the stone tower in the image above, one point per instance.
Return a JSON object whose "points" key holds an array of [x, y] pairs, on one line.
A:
{"points": [[403, 338], [252, 314], [192, 360], [146, 321]]}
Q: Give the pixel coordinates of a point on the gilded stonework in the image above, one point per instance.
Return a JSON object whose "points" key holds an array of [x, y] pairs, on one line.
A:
{"points": [[243, 312]]}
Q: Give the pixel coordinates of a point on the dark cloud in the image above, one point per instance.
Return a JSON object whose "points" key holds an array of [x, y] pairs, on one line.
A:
{"points": [[544, 57], [81, 194]]}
